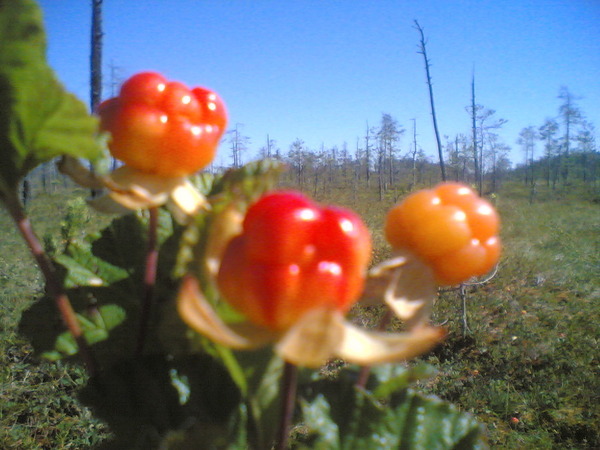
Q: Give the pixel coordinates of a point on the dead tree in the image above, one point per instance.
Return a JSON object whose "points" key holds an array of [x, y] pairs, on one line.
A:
{"points": [[476, 162], [96, 61], [96, 56], [423, 51]]}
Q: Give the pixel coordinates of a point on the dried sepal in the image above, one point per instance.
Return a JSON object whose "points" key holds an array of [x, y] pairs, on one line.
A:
{"points": [[406, 285], [226, 225], [129, 189], [81, 175], [314, 339], [199, 315], [318, 336], [370, 348], [186, 201]]}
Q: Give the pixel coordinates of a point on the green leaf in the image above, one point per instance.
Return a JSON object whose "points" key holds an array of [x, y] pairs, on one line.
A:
{"points": [[143, 406], [317, 415], [395, 377], [112, 315], [85, 269], [263, 371], [340, 415], [96, 325], [250, 180], [103, 274], [39, 120]]}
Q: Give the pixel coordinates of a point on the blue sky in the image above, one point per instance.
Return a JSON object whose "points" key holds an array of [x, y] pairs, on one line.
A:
{"points": [[320, 70]]}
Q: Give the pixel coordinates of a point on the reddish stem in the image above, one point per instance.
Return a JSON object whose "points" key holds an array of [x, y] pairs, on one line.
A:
{"points": [[54, 288], [290, 384], [149, 278]]}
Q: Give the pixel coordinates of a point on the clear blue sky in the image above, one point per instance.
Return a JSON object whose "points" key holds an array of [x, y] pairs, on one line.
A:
{"points": [[319, 70]]}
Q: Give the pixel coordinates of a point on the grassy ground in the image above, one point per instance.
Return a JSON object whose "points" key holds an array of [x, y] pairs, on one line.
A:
{"points": [[526, 363], [524, 357], [37, 405]]}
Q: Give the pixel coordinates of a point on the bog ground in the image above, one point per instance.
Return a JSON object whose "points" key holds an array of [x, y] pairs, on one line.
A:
{"points": [[522, 357]]}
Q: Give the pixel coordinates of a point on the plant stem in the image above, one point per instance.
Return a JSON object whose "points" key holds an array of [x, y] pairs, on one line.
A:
{"points": [[365, 371], [290, 384], [54, 288], [149, 278]]}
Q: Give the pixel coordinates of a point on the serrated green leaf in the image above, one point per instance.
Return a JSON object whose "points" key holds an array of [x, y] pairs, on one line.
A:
{"points": [[342, 416], [263, 371], [39, 120], [395, 377], [142, 406], [203, 181], [65, 344], [85, 269], [96, 326], [317, 415], [112, 315], [250, 180]]}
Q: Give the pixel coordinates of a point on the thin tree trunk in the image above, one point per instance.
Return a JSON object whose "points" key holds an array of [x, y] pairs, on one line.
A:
{"points": [[96, 57], [96, 61], [368, 157], [474, 130], [414, 155], [435, 127]]}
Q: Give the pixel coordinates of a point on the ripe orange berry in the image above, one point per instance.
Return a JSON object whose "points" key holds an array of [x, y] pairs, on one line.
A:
{"points": [[449, 227]]}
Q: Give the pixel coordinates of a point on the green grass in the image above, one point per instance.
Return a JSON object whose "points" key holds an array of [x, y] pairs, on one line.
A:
{"points": [[530, 350], [38, 409]]}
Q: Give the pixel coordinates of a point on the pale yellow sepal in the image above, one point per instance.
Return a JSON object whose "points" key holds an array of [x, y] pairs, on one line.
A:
{"points": [[318, 336], [129, 189], [323, 334], [314, 339], [406, 285], [79, 173], [226, 225], [198, 314], [368, 348]]}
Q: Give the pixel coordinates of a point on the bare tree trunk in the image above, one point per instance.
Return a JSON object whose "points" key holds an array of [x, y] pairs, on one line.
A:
{"points": [[474, 130], [380, 175], [96, 61], [45, 178], [368, 156], [96, 57], [423, 51], [414, 155]]}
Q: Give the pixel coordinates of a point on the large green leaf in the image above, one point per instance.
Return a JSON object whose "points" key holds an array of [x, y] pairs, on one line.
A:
{"points": [[141, 400], [39, 120], [340, 415], [109, 272]]}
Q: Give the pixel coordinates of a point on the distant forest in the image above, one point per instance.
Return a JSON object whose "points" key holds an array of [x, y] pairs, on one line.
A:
{"points": [[558, 153]]}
